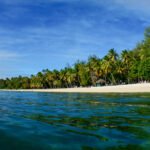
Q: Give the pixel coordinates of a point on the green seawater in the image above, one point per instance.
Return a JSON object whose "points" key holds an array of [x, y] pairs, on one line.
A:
{"points": [[54, 121]]}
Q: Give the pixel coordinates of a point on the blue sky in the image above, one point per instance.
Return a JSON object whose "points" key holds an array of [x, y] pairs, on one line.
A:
{"points": [[40, 34]]}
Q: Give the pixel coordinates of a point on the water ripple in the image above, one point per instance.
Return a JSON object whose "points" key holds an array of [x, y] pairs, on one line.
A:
{"points": [[74, 121]]}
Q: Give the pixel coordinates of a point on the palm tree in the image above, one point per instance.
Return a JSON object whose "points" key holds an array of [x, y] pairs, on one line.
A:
{"points": [[98, 69], [83, 74], [112, 55], [48, 78], [71, 77], [125, 57], [55, 77], [39, 80], [33, 81], [119, 70], [105, 67], [93, 67], [63, 78], [108, 65]]}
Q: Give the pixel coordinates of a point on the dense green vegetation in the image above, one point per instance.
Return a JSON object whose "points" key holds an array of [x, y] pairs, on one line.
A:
{"points": [[131, 66]]}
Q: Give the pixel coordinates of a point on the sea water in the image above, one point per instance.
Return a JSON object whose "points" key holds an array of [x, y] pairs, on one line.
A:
{"points": [[61, 121]]}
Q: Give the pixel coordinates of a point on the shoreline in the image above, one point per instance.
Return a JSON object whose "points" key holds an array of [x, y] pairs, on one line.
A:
{"points": [[129, 88]]}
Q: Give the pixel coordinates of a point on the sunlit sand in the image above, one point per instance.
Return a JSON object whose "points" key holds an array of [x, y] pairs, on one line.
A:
{"points": [[130, 88]]}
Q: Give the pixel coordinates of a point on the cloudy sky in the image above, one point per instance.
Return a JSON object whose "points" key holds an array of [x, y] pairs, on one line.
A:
{"points": [[40, 34]]}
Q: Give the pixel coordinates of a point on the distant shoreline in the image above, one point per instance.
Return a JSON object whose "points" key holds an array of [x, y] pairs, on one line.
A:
{"points": [[129, 88]]}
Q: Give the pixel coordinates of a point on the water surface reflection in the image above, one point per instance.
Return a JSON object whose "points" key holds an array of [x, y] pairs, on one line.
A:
{"points": [[74, 121]]}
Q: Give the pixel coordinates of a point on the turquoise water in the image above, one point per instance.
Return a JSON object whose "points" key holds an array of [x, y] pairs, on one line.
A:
{"points": [[52, 121]]}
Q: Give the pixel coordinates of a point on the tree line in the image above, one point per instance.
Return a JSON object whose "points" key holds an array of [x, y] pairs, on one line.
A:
{"points": [[131, 66]]}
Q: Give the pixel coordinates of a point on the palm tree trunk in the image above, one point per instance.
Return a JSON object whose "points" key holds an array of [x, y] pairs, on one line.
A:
{"points": [[105, 80], [128, 73], [113, 78]]}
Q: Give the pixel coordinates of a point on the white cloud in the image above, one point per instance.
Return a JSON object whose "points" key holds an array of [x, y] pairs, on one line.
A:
{"points": [[138, 7], [75, 38], [8, 54], [142, 5]]}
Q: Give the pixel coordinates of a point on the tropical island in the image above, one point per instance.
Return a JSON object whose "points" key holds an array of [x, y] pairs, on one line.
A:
{"points": [[129, 67]]}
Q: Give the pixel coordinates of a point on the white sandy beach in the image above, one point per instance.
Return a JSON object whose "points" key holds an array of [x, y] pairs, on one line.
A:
{"points": [[130, 88]]}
